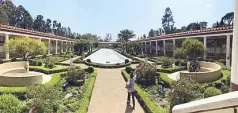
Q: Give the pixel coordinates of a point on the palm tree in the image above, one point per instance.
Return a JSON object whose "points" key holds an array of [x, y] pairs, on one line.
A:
{"points": [[125, 35]]}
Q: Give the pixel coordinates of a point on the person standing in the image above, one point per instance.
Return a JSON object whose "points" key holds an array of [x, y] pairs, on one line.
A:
{"points": [[130, 85]]}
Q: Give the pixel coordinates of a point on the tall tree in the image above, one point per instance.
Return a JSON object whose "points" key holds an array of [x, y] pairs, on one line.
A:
{"points": [[152, 33], [3, 16], [10, 11], [54, 27], [125, 35], [48, 26], [144, 36], [108, 37], [39, 23], [168, 21], [23, 18], [203, 25], [227, 20]]}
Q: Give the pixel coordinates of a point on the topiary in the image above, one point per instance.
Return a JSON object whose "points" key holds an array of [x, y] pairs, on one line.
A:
{"points": [[211, 91], [126, 61], [13, 59], [88, 60], [9, 104], [128, 69], [90, 69], [74, 74], [39, 63]]}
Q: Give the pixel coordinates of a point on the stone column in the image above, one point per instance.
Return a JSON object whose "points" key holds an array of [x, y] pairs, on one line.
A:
{"points": [[174, 47], [6, 51], [228, 43], [145, 47], [150, 47], [49, 47], [205, 45], [56, 46], [62, 47], [234, 65], [156, 49], [164, 48]]}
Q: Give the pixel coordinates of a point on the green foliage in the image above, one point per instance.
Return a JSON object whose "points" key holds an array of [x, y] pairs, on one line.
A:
{"points": [[81, 45], [171, 69], [44, 70], [44, 99], [127, 61], [25, 46], [167, 81], [211, 91], [128, 69], [1, 61], [145, 99], [13, 59], [89, 60], [87, 92], [192, 48], [3, 16], [145, 74], [167, 62], [168, 21], [9, 104], [75, 73], [90, 69], [184, 90], [125, 35]]}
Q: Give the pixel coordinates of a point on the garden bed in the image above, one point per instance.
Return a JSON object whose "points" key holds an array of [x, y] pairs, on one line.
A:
{"points": [[44, 70]]}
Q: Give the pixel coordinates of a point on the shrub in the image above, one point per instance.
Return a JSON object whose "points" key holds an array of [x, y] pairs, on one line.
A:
{"points": [[49, 65], [90, 69], [211, 91], [13, 59], [44, 56], [89, 60], [1, 61], [9, 104], [128, 69], [146, 74], [39, 64], [176, 63], [184, 63], [25, 59], [223, 61], [167, 62], [167, 81], [126, 61], [75, 74]]}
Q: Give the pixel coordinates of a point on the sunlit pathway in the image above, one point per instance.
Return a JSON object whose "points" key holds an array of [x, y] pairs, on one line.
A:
{"points": [[109, 94]]}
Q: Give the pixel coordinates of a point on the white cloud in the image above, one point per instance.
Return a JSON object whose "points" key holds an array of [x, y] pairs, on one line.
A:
{"points": [[209, 6]]}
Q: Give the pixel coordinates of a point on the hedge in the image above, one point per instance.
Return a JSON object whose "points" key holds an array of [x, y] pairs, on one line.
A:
{"points": [[54, 80], [87, 93], [44, 70], [211, 91], [172, 69], [145, 99], [167, 81]]}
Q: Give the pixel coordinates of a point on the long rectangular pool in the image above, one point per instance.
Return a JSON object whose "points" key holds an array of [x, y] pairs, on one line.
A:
{"points": [[107, 56]]}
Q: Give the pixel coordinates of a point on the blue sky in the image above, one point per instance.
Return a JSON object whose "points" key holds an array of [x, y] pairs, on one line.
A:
{"points": [[110, 16]]}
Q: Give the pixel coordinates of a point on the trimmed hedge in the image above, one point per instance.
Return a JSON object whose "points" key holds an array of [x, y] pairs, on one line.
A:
{"points": [[87, 93], [22, 90], [145, 99], [171, 70], [44, 70], [211, 91], [167, 81]]}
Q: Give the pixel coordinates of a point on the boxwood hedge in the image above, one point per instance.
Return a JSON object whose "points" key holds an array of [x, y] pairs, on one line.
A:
{"points": [[44, 70]]}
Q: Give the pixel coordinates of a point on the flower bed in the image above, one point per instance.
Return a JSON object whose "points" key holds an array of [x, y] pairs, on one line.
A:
{"points": [[145, 99], [44, 70]]}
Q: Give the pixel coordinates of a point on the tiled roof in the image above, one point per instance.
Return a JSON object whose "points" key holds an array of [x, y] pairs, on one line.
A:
{"points": [[31, 32], [192, 33]]}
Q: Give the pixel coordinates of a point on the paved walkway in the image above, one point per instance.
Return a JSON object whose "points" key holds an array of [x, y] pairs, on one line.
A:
{"points": [[109, 94]]}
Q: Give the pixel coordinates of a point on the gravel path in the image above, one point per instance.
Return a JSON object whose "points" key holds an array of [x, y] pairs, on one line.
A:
{"points": [[109, 94]]}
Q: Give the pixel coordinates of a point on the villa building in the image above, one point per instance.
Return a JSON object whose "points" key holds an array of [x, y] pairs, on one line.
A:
{"points": [[55, 44], [218, 42]]}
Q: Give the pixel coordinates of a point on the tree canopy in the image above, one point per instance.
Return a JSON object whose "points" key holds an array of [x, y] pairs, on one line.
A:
{"points": [[125, 35], [168, 21], [108, 37], [25, 47], [193, 48]]}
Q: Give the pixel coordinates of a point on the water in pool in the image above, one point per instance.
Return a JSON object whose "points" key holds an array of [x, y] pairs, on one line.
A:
{"points": [[107, 56]]}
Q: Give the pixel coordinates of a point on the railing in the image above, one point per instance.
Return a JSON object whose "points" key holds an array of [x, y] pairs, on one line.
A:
{"points": [[225, 103]]}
